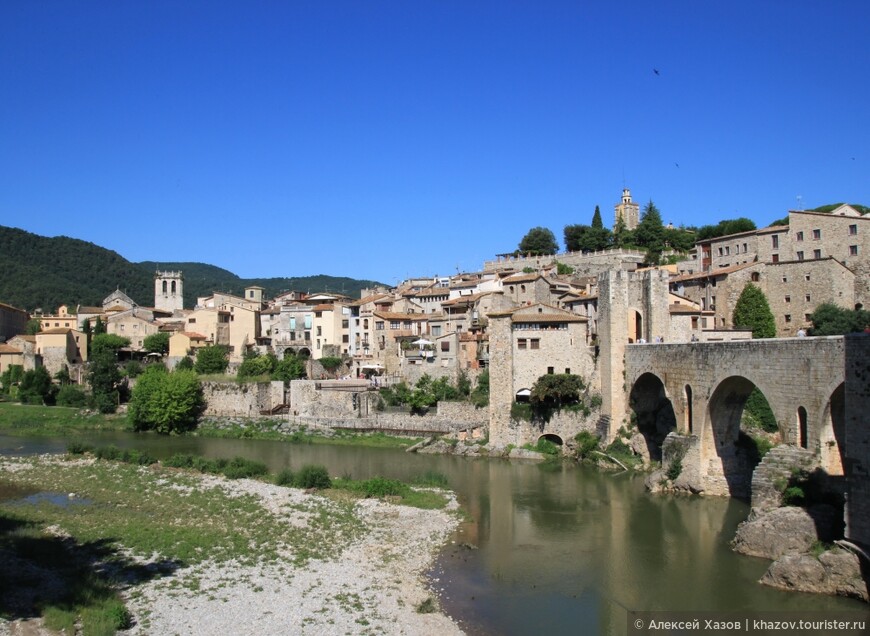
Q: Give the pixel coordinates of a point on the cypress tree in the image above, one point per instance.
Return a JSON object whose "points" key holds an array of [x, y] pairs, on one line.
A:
{"points": [[752, 311]]}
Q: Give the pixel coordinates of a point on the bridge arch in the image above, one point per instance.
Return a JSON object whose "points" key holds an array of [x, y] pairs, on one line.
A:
{"points": [[731, 453], [832, 435], [653, 412]]}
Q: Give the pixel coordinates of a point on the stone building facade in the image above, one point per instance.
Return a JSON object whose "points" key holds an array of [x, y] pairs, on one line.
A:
{"points": [[13, 321], [169, 291]]}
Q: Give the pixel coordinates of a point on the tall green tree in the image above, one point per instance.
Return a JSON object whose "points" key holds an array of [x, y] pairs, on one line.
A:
{"points": [[650, 233], [99, 326], [104, 378], [32, 327], [539, 240], [622, 236], [597, 223], [752, 311], [108, 342]]}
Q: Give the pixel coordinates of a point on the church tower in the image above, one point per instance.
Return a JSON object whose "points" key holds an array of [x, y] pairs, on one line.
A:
{"points": [[168, 291], [628, 210]]}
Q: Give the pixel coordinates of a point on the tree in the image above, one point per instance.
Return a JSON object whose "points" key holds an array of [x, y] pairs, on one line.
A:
{"points": [[108, 342], [157, 343], [99, 326], [256, 365], [597, 223], [539, 240], [557, 389], [752, 311], [290, 368], [622, 236], [166, 402], [650, 233], [104, 378], [36, 387], [211, 359], [33, 326], [830, 320], [725, 227]]}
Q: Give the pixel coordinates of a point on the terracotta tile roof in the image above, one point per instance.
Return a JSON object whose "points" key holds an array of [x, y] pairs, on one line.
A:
{"points": [[722, 271], [117, 308], [193, 335], [31, 339], [56, 330], [522, 278], [547, 318], [5, 348], [323, 307], [469, 299], [90, 310], [683, 309], [389, 315], [367, 299]]}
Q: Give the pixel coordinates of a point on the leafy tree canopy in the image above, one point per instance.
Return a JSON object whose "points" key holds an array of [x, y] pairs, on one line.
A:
{"points": [[211, 359], [724, 228], [539, 240], [597, 223], [752, 311], [166, 402], [256, 365], [108, 342], [32, 327], [586, 238], [557, 389], [157, 343], [830, 320], [292, 367]]}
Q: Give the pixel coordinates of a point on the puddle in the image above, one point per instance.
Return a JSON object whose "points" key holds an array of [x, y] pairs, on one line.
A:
{"points": [[55, 498], [10, 491]]}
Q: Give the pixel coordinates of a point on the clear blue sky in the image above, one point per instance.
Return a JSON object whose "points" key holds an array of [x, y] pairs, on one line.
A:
{"points": [[385, 139]]}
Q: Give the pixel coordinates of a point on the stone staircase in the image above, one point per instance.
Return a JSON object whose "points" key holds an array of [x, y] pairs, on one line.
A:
{"points": [[778, 465]]}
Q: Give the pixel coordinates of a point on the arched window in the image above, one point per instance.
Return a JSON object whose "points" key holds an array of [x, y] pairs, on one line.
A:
{"points": [[802, 426], [173, 287], [756, 276], [164, 287]]}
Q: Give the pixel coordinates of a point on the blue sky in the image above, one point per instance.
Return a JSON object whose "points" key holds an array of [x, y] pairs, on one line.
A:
{"points": [[386, 139]]}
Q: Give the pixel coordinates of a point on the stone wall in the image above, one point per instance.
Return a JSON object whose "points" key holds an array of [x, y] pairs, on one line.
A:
{"points": [[565, 425], [584, 264], [230, 399], [857, 444]]}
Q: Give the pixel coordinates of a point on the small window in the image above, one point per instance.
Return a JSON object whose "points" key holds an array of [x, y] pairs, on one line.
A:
{"points": [[445, 345], [817, 254], [799, 236], [853, 230], [788, 317], [785, 279], [551, 370], [745, 248], [567, 370], [756, 277], [522, 343], [807, 298], [788, 299], [800, 256], [808, 317], [775, 240], [806, 276], [774, 258], [817, 234], [853, 250], [535, 343]]}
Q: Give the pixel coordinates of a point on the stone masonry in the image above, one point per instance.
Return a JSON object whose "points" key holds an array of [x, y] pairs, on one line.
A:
{"points": [[858, 439]]}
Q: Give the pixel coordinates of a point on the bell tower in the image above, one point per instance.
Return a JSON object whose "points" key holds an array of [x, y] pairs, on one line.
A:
{"points": [[628, 210], [168, 291]]}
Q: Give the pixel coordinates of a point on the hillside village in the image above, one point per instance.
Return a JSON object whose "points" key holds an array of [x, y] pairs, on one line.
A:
{"points": [[439, 326]]}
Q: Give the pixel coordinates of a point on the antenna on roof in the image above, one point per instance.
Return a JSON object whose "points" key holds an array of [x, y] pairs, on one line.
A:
{"points": [[800, 202]]}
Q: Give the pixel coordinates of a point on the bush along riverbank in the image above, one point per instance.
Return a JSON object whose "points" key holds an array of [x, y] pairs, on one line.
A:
{"points": [[108, 539]]}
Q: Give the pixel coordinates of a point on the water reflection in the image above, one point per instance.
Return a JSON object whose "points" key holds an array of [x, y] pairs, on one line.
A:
{"points": [[552, 548]]}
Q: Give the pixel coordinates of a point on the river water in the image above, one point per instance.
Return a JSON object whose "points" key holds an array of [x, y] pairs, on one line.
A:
{"points": [[551, 548]]}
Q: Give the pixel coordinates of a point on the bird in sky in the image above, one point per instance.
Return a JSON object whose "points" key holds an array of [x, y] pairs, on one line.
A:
{"points": [[676, 164], [656, 71]]}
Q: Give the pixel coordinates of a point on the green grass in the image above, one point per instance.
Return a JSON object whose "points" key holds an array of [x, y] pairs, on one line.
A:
{"points": [[266, 429], [21, 419], [392, 490]]}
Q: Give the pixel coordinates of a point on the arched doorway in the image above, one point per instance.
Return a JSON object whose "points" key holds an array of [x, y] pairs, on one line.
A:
{"points": [[653, 413], [802, 426], [635, 326]]}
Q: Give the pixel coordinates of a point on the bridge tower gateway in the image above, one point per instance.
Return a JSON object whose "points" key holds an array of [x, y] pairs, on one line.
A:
{"points": [[168, 291], [632, 307]]}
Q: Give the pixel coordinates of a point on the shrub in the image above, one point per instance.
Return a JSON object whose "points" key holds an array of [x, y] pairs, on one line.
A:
{"points": [[285, 478], [586, 443], [382, 487], [674, 468], [108, 452], [133, 369], [313, 477], [241, 468], [78, 448], [793, 496], [71, 395], [547, 447], [185, 364], [166, 402]]}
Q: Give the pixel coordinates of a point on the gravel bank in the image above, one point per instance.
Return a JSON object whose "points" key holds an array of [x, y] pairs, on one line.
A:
{"points": [[373, 587]]}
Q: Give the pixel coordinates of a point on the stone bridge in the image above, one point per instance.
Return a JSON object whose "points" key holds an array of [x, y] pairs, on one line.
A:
{"points": [[699, 390]]}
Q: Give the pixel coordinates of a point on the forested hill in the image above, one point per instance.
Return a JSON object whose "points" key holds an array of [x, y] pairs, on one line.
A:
{"points": [[42, 272]]}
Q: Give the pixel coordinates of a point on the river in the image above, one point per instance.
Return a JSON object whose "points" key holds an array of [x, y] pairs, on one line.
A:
{"points": [[551, 548]]}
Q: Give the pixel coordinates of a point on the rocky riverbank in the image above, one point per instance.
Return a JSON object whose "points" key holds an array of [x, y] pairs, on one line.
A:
{"points": [[286, 561]]}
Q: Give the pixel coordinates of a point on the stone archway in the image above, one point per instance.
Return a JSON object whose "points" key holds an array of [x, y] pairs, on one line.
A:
{"points": [[552, 437], [730, 453], [832, 436], [653, 413]]}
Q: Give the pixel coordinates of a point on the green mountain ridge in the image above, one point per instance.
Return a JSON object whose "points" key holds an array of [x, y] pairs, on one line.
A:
{"points": [[41, 272]]}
